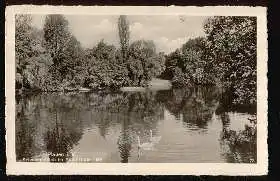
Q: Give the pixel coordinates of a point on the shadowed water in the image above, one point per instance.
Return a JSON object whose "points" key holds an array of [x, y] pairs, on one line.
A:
{"points": [[187, 125]]}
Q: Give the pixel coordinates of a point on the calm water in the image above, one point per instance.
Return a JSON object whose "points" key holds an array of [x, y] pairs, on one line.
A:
{"points": [[104, 127]]}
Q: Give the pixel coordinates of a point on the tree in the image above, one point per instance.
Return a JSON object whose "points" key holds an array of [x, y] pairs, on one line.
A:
{"points": [[31, 56], [22, 45], [144, 63], [74, 66], [22, 40], [194, 62], [188, 65], [123, 27], [57, 35], [231, 44], [104, 71], [67, 71], [171, 63]]}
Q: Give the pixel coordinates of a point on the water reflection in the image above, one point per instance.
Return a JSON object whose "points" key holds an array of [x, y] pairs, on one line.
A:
{"points": [[196, 106], [238, 146], [66, 126], [25, 146]]}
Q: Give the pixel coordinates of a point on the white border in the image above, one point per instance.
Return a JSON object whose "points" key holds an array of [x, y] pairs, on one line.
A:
{"points": [[27, 168]]}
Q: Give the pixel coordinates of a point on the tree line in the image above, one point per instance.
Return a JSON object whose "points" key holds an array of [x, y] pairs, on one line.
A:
{"points": [[52, 59]]}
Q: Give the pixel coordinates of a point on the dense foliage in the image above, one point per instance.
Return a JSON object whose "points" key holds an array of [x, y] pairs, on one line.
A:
{"points": [[232, 44], [31, 57]]}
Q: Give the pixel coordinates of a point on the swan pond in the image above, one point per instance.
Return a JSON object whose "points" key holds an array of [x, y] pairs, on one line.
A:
{"points": [[171, 126]]}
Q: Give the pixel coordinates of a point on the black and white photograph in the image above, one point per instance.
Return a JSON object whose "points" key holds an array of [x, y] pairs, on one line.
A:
{"points": [[137, 88]]}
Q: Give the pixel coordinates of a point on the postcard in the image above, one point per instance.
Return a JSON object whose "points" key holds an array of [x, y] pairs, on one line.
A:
{"points": [[136, 90]]}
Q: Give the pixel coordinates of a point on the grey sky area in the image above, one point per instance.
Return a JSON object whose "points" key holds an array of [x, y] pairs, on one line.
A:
{"points": [[168, 32]]}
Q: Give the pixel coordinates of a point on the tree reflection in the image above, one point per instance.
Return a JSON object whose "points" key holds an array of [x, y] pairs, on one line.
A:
{"points": [[49, 122], [61, 138], [66, 128], [24, 130], [196, 105], [175, 100], [125, 144], [200, 106], [225, 120], [26, 127]]}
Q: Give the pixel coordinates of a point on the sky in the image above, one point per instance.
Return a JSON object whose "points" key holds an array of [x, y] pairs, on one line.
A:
{"points": [[167, 31]]}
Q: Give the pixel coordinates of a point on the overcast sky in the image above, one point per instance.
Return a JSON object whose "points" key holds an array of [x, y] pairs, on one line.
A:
{"points": [[168, 32]]}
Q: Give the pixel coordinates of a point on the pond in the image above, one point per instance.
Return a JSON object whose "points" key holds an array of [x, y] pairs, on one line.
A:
{"points": [[171, 126]]}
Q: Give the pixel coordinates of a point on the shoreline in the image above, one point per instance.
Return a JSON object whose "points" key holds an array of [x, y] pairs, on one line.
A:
{"points": [[154, 84]]}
